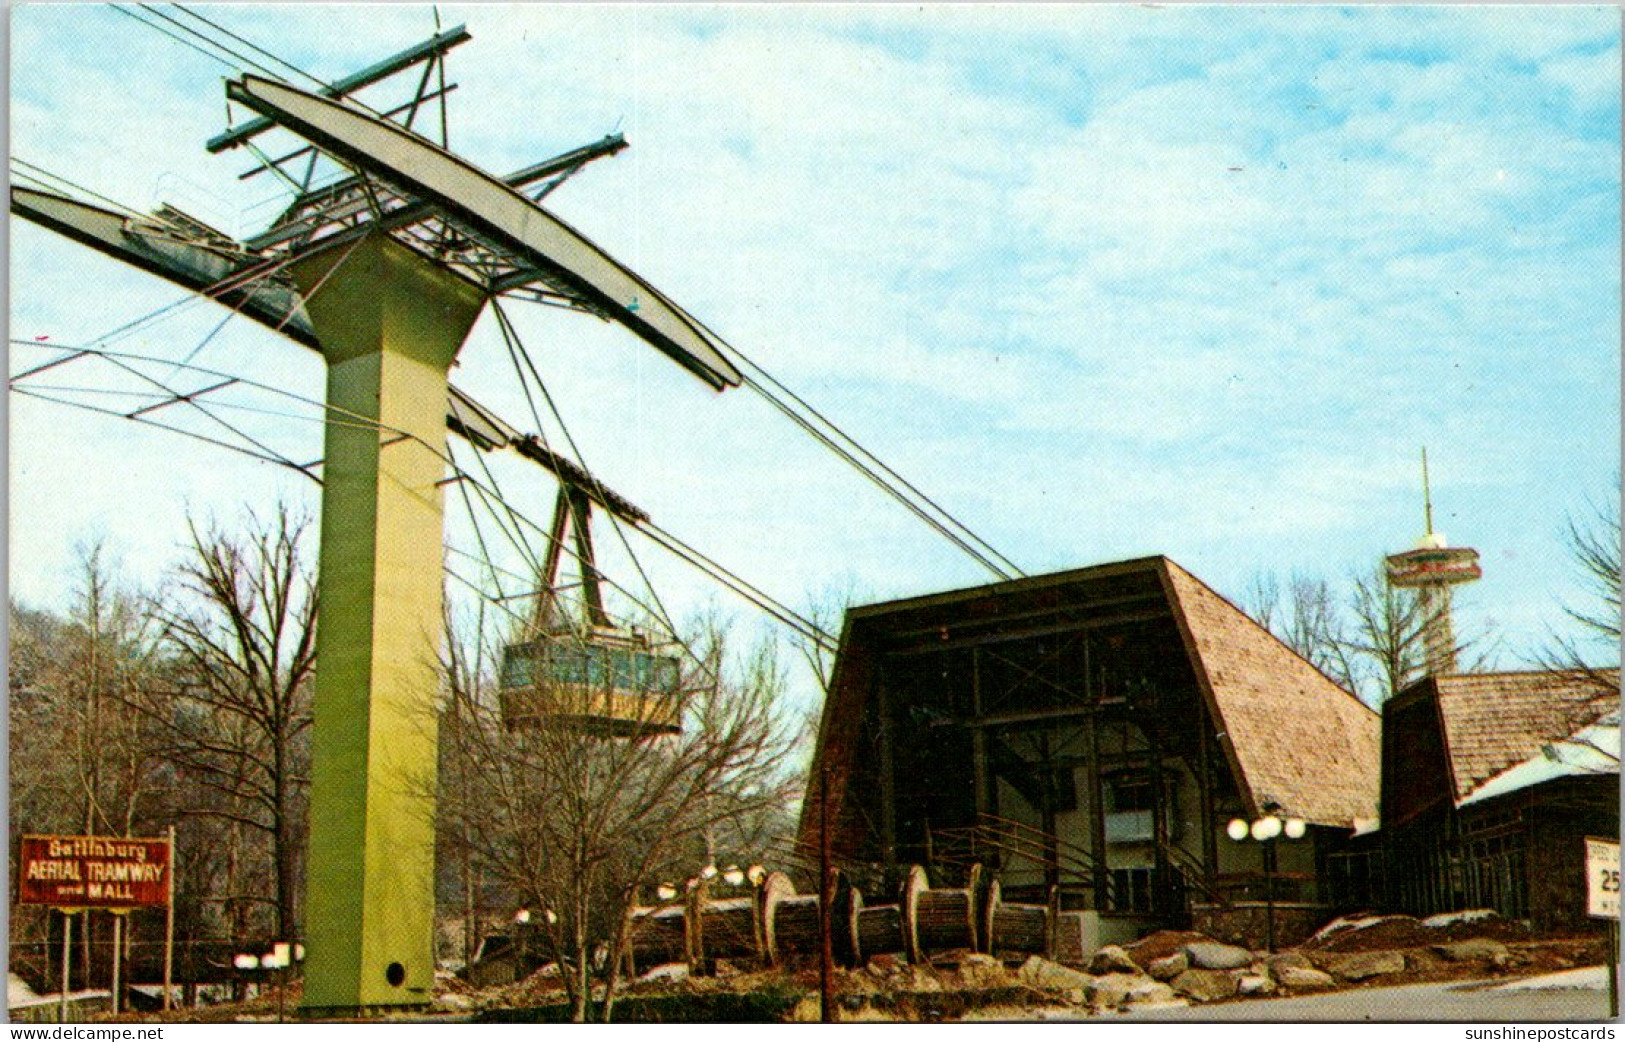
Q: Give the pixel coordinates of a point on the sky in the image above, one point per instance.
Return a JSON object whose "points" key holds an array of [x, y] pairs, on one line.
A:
{"points": [[1105, 281]]}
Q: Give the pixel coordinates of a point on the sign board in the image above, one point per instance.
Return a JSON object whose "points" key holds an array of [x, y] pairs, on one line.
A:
{"points": [[1602, 878], [72, 872]]}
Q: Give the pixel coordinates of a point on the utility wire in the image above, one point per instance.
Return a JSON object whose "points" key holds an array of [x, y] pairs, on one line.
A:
{"points": [[192, 12], [516, 346], [178, 39], [245, 60], [878, 462], [491, 496]]}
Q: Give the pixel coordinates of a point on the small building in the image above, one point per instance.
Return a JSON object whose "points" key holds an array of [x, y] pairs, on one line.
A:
{"points": [[1490, 784], [1094, 731]]}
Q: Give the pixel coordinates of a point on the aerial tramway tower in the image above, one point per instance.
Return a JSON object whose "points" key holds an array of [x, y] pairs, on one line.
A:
{"points": [[383, 271]]}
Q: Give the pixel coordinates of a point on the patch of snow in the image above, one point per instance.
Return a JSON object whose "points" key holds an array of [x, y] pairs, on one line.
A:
{"points": [[1350, 923], [667, 971], [1587, 978], [1593, 749], [1471, 915], [17, 990]]}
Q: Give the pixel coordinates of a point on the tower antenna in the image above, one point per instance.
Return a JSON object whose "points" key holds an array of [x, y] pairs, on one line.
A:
{"points": [[1427, 495]]}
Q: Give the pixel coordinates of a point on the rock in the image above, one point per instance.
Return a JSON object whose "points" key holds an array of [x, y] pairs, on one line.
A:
{"points": [[1112, 959], [1477, 950], [918, 978], [1303, 978], [667, 971], [1365, 965], [1211, 955], [1038, 972], [983, 971], [1168, 968], [1276, 963], [1148, 993], [1205, 985], [884, 965], [1254, 984], [1113, 989]]}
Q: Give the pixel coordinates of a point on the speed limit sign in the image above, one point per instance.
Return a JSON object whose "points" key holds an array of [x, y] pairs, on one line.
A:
{"points": [[1602, 878]]}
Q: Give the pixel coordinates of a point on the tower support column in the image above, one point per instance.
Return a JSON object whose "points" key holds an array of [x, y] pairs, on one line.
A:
{"points": [[390, 324]]}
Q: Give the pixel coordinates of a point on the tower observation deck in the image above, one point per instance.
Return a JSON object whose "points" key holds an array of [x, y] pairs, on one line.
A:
{"points": [[1434, 568]]}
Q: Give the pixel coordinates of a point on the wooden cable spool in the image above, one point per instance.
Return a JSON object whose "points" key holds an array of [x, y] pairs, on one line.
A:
{"points": [[880, 931], [729, 928], [1025, 929], [785, 917], [658, 935], [915, 885], [946, 919], [790, 923]]}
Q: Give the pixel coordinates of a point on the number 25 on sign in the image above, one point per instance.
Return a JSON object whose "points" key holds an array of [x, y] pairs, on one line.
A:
{"points": [[1602, 878]]}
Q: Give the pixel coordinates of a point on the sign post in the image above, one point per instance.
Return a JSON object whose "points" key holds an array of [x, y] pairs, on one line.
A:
{"points": [[77, 873], [169, 923], [67, 957], [1602, 902]]}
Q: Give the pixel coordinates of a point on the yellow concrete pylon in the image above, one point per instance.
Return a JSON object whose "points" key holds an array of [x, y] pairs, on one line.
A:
{"points": [[390, 323]]}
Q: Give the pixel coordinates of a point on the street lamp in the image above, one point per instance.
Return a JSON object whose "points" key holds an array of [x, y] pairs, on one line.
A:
{"points": [[1267, 830], [280, 957]]}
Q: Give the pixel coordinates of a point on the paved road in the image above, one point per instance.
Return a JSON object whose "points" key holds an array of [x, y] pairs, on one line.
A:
{"points": [[1453, 1002]]}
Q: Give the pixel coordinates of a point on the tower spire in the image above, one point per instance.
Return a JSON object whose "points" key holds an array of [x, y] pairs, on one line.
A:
{"points": [[1427, 495]]}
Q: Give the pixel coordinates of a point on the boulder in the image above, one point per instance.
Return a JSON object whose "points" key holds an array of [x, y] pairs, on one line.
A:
{"points": [[983, 971], [1112, 959], [1276, 963], [1205, 985], [1038, 972], [1254, 984], [1167, 969], [1148, 992], [1211, 955], [1303, 978], [884, 965], [1111, 990], [1477, 950], [1365, 965]]}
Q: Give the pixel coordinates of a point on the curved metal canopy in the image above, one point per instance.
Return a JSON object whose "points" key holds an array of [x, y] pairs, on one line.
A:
{"points": [[536, 245]]}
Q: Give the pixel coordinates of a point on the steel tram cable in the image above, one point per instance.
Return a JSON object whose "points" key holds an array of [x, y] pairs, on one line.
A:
{"points": [[843, 435], [192, 13], [516, 347]]}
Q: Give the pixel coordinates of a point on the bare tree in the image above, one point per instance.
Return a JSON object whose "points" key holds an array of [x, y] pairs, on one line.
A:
{"points": [[575, 822], [1594, 547], [1306, 615], [235, 726], [78, 764], [1386, 637]]}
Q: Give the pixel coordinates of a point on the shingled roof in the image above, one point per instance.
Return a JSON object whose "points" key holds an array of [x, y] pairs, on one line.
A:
{"points": [[1291, 735], [1300, 740], [1494, 720]]}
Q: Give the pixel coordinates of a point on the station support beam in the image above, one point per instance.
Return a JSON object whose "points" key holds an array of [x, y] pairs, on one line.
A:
{"points": [[390, 322]]}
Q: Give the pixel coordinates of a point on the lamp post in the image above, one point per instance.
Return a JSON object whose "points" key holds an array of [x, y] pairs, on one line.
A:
{"points": [[1267, 830], [280, 957]]}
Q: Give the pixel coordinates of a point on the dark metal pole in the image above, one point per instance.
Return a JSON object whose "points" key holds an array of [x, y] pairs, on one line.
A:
{"points": [[1613, 969], [1269, 894], [826, 959]]}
